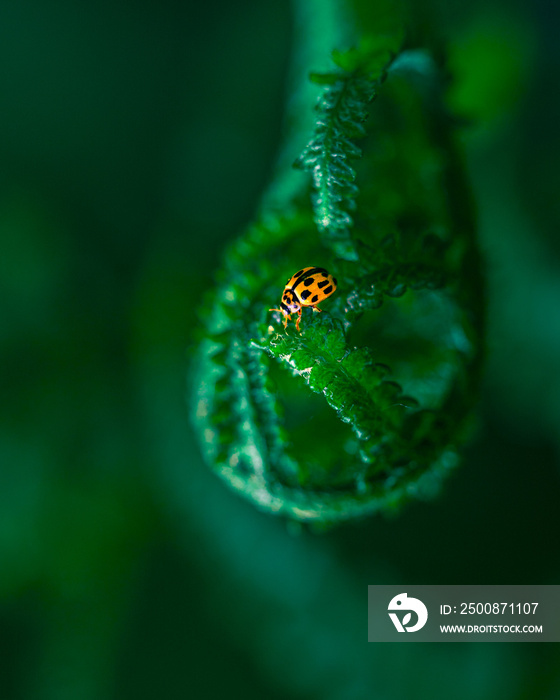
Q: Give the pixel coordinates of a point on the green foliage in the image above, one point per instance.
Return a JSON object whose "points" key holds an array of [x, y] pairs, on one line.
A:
{"points": [[370, 403], [341, 112]]}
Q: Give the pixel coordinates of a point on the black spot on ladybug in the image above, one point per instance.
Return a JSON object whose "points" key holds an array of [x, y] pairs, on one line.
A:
{"points": [[328, 290], [308, 281], [325, 274], [305, 294], [286, 297], [298, 274], [315, 299], [335, 282], [322, 284]]}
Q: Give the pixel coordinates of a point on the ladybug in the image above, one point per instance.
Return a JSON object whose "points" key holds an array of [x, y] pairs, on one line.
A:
{"points": [[307, 287]]}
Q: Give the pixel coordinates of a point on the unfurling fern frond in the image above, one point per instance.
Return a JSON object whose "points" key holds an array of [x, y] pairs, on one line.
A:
{"points": [[370, 403]]}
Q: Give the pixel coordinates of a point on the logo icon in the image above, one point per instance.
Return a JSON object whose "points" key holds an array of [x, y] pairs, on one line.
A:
{"points": [[403, 602]]}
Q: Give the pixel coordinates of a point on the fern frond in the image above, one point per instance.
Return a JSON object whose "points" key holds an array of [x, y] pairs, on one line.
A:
{"points": [[342, 110], [369, 405]]}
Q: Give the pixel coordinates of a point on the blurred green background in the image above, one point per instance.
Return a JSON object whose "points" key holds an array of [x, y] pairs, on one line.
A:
{"points": [[135, 139]]}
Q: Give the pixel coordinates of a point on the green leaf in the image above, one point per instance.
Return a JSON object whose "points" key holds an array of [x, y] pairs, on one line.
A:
{"points": [[374, 396]]}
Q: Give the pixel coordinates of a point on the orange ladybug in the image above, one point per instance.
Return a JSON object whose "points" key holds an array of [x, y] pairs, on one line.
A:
{"points": [[308, 287]]}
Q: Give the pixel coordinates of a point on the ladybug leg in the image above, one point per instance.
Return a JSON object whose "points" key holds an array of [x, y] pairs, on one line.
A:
{"points": [[286, 317], [316, 308], [298, 320]]}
